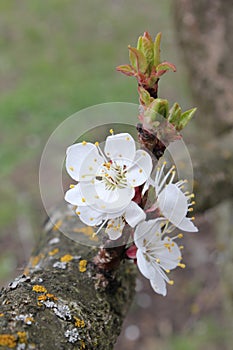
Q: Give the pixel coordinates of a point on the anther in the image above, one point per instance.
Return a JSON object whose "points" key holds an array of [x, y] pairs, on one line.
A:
{"points": [[171, 282], [72, 186], [182, 265], [84, 143]]}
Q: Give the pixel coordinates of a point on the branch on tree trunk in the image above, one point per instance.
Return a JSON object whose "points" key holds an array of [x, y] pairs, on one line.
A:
{"points": [[63, 301]]}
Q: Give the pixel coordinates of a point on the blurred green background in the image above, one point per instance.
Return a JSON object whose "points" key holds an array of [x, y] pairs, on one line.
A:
{"points": [[58, 57]]}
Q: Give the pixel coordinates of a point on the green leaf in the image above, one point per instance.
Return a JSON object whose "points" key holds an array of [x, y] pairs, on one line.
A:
{"points": [[126, 69], [139, 44], [185, 118], [174, 114], [147, 50], [160, 106], [137, 59], [166, 66], [157, 49], [144, 96]]}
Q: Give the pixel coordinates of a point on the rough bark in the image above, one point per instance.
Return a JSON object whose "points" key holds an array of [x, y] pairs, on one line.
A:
{"points": [[204, 31], [213, 171], [75, 307]]}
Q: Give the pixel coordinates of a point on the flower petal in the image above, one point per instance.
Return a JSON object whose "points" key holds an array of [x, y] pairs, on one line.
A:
{"points": [[140, 171], [158, 284], [169, 254], [144, 266], [187, 225], [113, 201], [173, 204], [89, 216], [114, 228], [134, 214], [76, 155], [74, 196], [149, 230], [120, 146]]}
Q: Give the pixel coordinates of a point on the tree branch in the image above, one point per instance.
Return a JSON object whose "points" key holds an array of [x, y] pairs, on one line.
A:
{"points": [[63, 294]]}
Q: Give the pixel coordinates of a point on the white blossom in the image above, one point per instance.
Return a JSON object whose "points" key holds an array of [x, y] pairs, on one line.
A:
{"points": [[156, 254], [107, 181], [173, 203]]}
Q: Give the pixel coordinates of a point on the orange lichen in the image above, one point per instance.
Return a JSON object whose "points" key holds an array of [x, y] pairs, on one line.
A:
{"points": [[66, 258], [54, 251], [79, 323], [22, 337], [36, 259], [51, 296], [42, 297], [82, 265], [57, 225], [8, 340], [39, 289], [29, 320], [87, 231]]}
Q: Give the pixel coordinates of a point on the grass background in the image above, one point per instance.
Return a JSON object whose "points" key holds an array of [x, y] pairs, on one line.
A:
{"points": [[58, 57]]}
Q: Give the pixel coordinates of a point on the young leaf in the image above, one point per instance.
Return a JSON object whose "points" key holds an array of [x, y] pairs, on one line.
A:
{"points": [[166, 66], [157, 49], [185, 118], [137, 59], [160, 106], [174, 114], [126, 69], [144, 96]]}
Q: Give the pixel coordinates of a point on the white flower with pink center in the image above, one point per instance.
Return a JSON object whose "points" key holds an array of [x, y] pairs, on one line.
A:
{"points": [[107, 181]]}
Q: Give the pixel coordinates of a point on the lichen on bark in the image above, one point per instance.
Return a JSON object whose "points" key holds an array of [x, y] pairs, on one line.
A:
{"points": [[60, 306]]}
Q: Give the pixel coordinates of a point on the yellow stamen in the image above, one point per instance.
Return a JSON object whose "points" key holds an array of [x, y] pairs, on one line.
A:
{"points": [[84, 143], [96, 143], [83, 200], [171, 282], [182, 265], [111, 131], [72, 186], [71, 168], [180, 235]]}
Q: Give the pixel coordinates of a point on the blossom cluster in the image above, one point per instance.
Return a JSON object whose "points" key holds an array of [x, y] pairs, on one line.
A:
{"points": [[112, 185]]}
